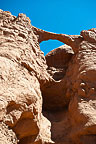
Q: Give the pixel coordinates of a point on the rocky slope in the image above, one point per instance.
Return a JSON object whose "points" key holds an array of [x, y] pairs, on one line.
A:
{"points": [[49, 99]]}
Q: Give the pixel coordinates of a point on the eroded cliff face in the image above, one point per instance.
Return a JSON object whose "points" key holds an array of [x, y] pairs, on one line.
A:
{"points": [[49, 99], [22, 72]]}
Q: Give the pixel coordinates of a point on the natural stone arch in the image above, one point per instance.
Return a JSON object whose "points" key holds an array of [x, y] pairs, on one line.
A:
{"points": [[71, 40]]}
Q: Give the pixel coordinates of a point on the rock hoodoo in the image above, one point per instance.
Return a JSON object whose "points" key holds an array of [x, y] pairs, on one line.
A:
{"points": [[49, 99]]}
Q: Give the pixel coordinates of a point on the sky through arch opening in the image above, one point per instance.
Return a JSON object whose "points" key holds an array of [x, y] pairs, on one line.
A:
{"points": [[47, 46]]}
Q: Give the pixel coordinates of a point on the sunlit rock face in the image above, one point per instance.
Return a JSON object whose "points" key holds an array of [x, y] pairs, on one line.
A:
{"points": [[46, 99]]}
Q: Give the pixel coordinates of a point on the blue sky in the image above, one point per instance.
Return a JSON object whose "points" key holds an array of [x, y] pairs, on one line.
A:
{"points": [[59, 16]]}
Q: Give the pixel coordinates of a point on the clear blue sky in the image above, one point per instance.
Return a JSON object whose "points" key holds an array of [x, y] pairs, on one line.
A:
{"points": [[59, 16]]}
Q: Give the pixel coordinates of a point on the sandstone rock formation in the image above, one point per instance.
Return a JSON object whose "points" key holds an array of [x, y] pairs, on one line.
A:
{"points": [[49, 99]]}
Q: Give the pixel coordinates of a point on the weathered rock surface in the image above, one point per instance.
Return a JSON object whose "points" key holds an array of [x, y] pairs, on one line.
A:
{"points": [[59, 57], [54, 92], [49, 99], [22, 68]]}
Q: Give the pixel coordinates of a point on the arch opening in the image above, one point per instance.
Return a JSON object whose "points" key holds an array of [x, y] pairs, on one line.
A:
{"points": [[47, 46]]}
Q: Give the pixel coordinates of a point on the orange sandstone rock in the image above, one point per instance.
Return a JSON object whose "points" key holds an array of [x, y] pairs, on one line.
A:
{"points": [[49, 99]]}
